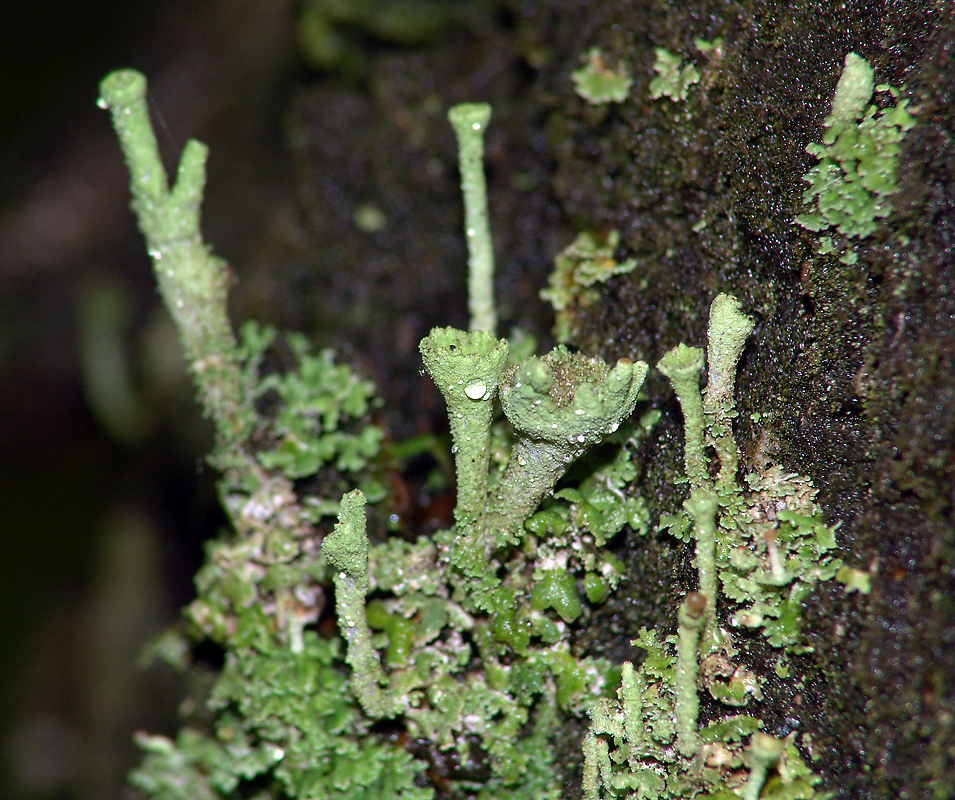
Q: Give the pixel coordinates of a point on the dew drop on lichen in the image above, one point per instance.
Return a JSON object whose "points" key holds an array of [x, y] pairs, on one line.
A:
{"points": [[476, 391]]}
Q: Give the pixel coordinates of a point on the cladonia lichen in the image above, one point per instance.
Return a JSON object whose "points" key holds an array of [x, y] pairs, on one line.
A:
{"points": [[850, 187], [673, 79], [599, 83], [455, 664]]}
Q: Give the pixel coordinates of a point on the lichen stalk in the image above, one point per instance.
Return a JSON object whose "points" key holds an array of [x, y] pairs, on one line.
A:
{"points": [[728, 331], [192, 281], [682, 366], [532, 472], [687, 706], [469, 121], [702, 506], [763, 752], [466, 368], [631, 700], [346, 549], [560, 405], [590, 782]]}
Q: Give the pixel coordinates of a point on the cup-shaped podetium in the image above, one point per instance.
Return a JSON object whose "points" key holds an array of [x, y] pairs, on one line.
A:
{"points": [[569, 398], [467, 368], [560, 404]]}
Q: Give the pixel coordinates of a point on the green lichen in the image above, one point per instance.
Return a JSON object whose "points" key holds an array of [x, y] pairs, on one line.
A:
{"points": [[467, 368], [469, 121], [331, 33], [760, 552], [560, 405], [318, 401], [855, 580], [673, 80], [586, 261], [851, 186], [461, 647], [598, 83]]}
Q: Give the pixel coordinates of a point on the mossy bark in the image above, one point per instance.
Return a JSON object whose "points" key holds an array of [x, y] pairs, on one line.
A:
{"points": [[849, 377]]}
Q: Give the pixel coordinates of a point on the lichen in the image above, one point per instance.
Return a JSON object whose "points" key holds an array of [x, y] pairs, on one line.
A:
{"points": [[588, 260], [461, 648], [598, 83], [673, 80], [768, 555], [850, 187]]}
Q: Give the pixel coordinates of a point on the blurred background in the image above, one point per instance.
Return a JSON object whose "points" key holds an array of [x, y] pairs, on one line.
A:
{"points": [[104, 502]]}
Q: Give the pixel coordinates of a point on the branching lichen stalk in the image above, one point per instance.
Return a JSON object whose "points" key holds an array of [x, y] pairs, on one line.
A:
{"points": [[192, 281], [469, 121]]}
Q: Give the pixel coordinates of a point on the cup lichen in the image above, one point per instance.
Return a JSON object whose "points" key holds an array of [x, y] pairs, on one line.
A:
{"points": [[466, 645]]}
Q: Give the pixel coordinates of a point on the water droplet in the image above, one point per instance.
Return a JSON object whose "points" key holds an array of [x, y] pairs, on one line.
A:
{"points": [[101, 103], [476, 391], [553, 426], [581, 438], [476, 126], [454, 449]]}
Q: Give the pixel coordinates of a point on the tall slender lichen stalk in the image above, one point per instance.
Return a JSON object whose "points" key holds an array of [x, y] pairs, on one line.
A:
{"points": [[192, 281], [682, 366], [687, 711], [728, 331], [346, 549], [469, 121]]}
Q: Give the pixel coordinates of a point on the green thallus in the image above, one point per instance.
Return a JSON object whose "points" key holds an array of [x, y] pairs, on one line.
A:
{"points": [[559, 405]]}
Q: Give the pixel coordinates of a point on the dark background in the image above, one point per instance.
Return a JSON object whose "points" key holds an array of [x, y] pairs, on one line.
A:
{"points": [[103, 506]]}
